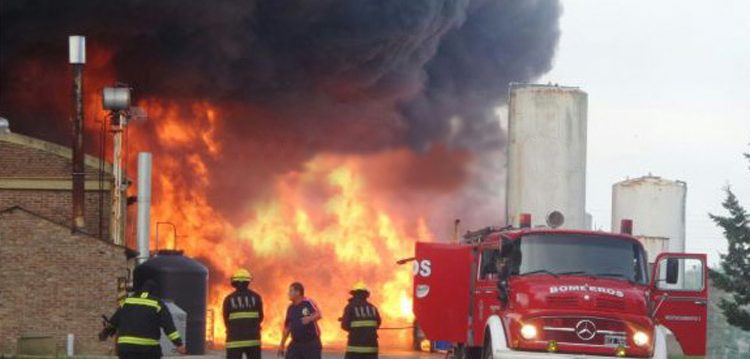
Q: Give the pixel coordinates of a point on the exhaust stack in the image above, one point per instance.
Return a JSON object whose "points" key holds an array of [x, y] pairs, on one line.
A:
{"points": [[626, 226], [77, 57], [144, 206], [524, 220]]}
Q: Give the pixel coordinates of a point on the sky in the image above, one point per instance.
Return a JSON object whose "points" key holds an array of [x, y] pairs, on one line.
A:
{"points": [[669, 94]]}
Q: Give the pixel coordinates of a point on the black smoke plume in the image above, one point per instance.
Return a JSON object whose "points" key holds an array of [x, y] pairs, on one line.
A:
{"points": [[348, 76]]}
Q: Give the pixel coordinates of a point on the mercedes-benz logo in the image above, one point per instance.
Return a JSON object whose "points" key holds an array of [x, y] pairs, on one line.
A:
{"points": [[585, 329]]}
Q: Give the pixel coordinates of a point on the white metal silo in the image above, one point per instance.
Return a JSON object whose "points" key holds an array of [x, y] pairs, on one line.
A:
{"points": [[547, 154], [657, 208], [654, 246]]}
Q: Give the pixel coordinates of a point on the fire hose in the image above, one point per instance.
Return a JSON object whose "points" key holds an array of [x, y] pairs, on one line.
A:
{"points": [[396, 328]]}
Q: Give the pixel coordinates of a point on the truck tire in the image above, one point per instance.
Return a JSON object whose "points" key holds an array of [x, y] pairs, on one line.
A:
{"points": [[487, 349], [474, 353], [465, 352]]}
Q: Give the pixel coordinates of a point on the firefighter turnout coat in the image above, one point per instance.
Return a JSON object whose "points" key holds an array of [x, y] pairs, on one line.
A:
{"points": [[243, 314], [362, 320], [138, 323]]}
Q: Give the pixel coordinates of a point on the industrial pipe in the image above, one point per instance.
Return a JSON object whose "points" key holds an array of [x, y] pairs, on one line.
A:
{"points": [[174, 229], [626, 226], [144, 206], [77, 57], [456, 226]]}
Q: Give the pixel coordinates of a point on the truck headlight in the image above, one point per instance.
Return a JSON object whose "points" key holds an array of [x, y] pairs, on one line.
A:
{"points": [[528, 331], [640, 338]]}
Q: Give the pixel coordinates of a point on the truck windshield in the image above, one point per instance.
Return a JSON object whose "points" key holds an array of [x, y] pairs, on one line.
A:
{"points": [[570, 254]]}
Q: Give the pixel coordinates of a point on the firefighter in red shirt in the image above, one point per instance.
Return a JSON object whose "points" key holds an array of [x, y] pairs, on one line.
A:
{"points": [[243, 314], [362, 320]]}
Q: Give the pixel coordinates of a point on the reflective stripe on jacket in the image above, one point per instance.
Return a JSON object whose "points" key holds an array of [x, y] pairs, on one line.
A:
{"points": [[243, 344]]}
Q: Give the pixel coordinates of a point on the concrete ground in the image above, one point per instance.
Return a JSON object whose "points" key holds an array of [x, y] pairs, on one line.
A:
{"points": [[270, 354]]}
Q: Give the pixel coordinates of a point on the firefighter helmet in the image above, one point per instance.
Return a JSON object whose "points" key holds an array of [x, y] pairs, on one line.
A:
{"points": [[360, 286], [242, 275]]}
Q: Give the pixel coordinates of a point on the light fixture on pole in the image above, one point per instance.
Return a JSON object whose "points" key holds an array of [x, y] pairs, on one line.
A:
{"points": [[117, 101]]}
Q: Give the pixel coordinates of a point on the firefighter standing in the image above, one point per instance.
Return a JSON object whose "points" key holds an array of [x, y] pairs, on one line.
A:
{"points": [[243, 314], [138, 325], [362, 320]]}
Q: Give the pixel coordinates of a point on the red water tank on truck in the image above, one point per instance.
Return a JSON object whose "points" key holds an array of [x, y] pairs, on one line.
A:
{"points": [[554, 293]]}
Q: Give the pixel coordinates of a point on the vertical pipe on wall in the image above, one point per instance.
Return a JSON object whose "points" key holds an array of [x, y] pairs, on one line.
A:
{"points": [[144, 206]]}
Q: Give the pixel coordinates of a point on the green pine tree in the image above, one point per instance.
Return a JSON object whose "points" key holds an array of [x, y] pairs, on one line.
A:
{"points": [[734, 276]]}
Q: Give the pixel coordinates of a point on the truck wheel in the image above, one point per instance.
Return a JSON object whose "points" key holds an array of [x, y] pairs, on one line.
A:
{"points": [[487, 349], [473, 352], [457, 352], [465, 352]]}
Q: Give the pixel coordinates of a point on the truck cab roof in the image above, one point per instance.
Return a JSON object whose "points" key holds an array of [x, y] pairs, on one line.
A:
{"points": [[495, 234]]}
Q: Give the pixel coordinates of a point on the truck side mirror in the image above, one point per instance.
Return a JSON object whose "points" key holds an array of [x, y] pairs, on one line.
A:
{"points": [[673, 270]]}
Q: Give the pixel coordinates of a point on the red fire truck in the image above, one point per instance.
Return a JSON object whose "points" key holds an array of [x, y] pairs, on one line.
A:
{"points": [[554, 293]]}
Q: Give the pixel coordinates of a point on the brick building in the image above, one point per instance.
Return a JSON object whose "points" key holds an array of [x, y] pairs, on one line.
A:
{"points": [[36, 175], [54, 283]]}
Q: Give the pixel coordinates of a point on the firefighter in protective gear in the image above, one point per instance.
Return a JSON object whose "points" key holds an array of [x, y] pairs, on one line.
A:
{"points": [[243, 314], [362, 320], [138, 325]]}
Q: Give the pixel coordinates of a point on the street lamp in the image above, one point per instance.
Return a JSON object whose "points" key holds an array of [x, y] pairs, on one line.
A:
{"points": [[116, 100]]}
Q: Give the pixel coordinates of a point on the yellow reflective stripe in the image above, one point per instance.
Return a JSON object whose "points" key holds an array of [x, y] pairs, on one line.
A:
{"points": [[137, 341], [243, 315], [144, 295], [364, 323], [363, 350], [141, 301], [243, 343], [174, 335]]}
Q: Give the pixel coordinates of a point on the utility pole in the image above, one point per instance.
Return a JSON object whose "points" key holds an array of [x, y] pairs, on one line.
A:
{"points": [[117, 101], [118, 125]]}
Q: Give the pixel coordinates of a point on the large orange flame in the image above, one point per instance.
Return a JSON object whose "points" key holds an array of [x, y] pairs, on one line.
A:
{"points": [[320, 225]]}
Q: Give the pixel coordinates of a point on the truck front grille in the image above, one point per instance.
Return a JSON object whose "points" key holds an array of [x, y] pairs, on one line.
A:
{"points": [[585, 331]]}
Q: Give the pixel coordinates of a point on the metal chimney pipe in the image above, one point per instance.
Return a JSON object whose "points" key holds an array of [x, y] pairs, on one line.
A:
{"points": [[626, 226], [144, 206], [77, 52], [456, 226]]}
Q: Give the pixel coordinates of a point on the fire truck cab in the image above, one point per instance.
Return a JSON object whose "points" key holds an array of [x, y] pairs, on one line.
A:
{"points": [[553, 293]]}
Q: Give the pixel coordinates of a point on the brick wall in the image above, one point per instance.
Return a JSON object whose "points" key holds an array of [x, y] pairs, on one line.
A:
{"points": [[25, 161], [19, 161], [54, 283], [57, 205]]}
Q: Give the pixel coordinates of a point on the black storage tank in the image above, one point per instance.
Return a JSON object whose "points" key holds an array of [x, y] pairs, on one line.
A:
{"points": [[185, 282]]}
